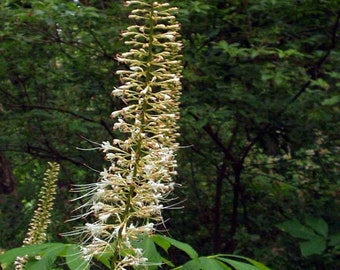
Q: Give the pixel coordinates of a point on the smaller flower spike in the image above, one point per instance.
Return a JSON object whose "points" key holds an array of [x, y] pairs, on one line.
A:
{"points": [[41, 219], [128, 199]]}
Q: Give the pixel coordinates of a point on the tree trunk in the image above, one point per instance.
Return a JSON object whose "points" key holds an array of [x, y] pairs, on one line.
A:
{"points": [[217, 206], [236, 201]]}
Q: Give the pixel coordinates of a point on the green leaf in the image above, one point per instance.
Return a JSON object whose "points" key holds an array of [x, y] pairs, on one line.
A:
{"points": [[315, 246], [237, 264], [334, 240], [47, 259], [194, 264], [320, 83], [31, 250], [212, 264], [296, 229], [74, 259], [204, 263], [257, 264], [150, 252], [331, 101], [104, 259], [161, 242], [319, 225], [180, 245], [167, 262]]}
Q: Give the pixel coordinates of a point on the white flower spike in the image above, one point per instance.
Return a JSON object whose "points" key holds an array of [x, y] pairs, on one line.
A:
{"points": [[129, 198]]}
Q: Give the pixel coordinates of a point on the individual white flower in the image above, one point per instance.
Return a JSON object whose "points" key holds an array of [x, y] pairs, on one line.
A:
{"points": [[95, 229], [106, 146]]}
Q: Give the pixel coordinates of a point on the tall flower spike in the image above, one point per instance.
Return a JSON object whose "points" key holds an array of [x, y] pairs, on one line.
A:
{"points": [[129, 197], [41, 218]]}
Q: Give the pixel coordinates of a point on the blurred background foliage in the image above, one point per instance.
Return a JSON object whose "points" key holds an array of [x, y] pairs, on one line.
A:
{"points": [[260, 120]]}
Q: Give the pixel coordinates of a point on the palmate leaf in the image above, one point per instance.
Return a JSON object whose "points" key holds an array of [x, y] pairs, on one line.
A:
{"points": [[47, 253], [214, 262], [315, 231], [31, 250]]}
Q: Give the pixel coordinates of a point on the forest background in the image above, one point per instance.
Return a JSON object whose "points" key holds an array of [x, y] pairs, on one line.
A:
{"points": [[259, 120]]}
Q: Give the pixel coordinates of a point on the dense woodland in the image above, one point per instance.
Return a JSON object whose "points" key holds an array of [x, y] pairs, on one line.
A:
{"points": [[258, 168]]}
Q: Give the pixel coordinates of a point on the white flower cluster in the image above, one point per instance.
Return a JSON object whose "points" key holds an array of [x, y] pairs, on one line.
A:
{"points": [[128, 200]]}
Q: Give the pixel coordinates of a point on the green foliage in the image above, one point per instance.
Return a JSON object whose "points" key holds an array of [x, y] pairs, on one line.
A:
{"points": [[314, 235], [253, 113], [56, 74], [166, 242], [43, 256], [48, 253]]}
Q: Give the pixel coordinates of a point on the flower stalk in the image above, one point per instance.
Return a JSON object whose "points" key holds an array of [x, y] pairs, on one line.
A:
{"points": [[128, 199], [42, 215]]}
